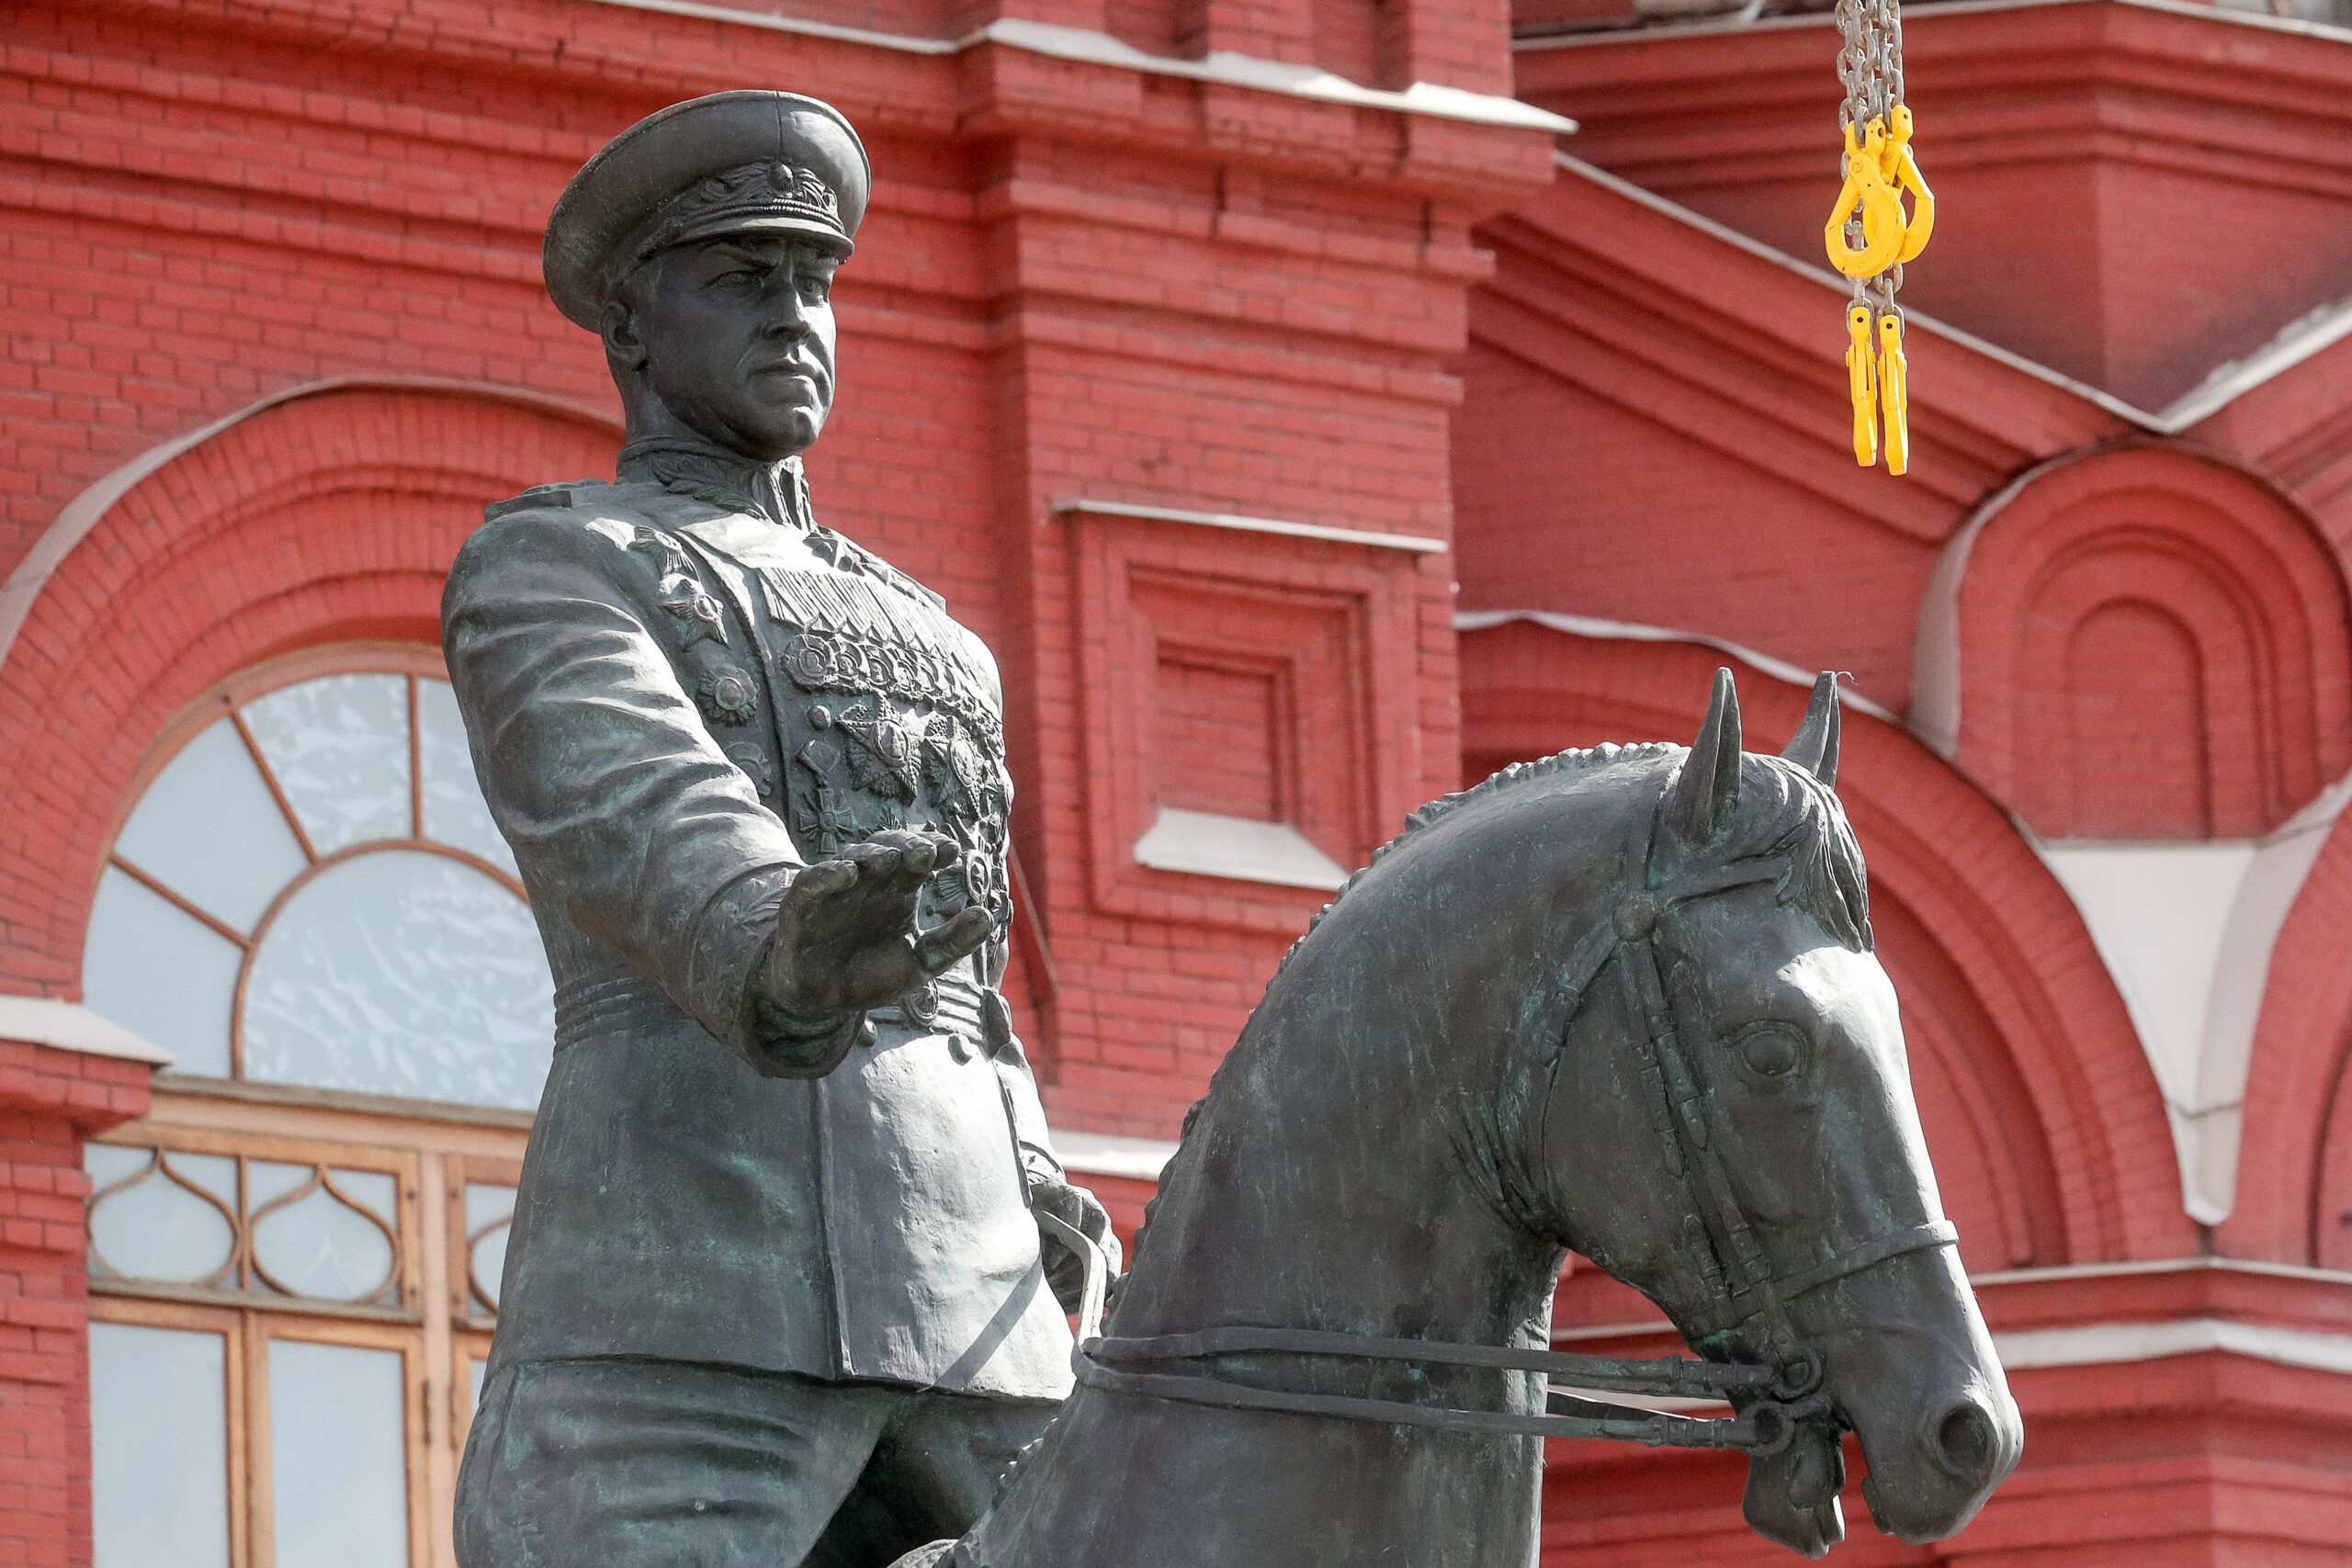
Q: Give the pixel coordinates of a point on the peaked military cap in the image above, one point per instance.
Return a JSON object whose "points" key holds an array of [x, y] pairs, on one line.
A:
{"points": [[722, 165]]}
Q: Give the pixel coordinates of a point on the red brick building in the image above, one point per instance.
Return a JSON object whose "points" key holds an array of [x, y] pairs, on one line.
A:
{"points": [[1310, 422]]}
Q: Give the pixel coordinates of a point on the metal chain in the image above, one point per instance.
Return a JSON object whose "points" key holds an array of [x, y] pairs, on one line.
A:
{"points": [[1870, 65], [1870, 70]]}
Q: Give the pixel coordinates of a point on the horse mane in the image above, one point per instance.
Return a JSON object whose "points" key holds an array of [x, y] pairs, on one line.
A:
{"points": [[1783, 809], [1576, 759]]}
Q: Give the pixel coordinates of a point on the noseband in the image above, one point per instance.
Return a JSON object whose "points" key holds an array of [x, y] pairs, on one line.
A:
{"points": [[1742, 1290]]}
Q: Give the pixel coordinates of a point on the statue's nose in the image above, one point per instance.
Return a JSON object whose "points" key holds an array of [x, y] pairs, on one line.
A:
{"points": [[787, 313], [1966, 1444]]}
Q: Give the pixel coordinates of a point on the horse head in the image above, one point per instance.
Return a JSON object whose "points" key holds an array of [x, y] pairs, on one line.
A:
{"points": [[1729, 1128], [1622, 1000]]}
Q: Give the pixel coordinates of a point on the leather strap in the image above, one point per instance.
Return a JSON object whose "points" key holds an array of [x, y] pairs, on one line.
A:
{"points": [[1668, 1375], [1878, 1249], [1778, 1396], [1764, 1429]]}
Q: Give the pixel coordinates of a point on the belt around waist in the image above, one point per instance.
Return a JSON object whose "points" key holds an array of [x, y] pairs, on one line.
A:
{"points": [[621, 1004]]}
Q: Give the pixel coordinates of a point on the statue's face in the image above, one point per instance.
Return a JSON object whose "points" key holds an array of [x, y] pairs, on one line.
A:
{"points": [[735, 337]]}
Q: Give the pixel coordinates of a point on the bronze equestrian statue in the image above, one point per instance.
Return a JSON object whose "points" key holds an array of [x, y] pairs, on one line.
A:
{"points": [[777, 1293], [1621, 1001], [773, 1292]]}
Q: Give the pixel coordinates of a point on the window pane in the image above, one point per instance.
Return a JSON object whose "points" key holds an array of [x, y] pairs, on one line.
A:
{"points": [[208, 829], [404, 973], [338, 1456], [455, 812], [489, 1208], [161, 974], [159, 1448], [319, 1244], [339, 747], [155, 1228]]}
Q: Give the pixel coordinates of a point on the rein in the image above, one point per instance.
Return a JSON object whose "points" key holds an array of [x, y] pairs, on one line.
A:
{"points": [[1743, 1289]]}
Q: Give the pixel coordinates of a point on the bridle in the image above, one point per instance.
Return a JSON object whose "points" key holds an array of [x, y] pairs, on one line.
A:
{"points": [[1771, 1397]]}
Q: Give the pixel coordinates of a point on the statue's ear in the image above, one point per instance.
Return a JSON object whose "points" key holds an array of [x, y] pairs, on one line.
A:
{"points": [[1815, 749], [624, 345], [1705, 793]]}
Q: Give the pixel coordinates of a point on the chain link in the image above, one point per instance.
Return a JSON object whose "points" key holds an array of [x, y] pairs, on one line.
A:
{"points": [[1870, 67], [1873, 125]]}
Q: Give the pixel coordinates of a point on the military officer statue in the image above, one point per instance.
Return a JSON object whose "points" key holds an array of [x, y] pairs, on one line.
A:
{"points": [[774, 1291]]}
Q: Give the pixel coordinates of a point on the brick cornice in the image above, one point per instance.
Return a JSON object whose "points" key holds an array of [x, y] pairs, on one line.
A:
{"points": [[1602, 289], [995, 83], [2111, 80], [77, 1091]]}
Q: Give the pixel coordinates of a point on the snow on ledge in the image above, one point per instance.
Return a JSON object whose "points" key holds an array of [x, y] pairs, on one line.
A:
{"points": [[1108, 1153], [1205, 844], [69, 1026], [1086, 46]]}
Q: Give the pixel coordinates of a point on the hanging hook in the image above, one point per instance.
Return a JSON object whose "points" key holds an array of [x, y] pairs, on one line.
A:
{"points": [[1899, 171], [1883, 224]]}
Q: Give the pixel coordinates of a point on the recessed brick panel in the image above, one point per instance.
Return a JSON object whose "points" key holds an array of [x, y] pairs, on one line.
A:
{"points": [[1223, 739]]}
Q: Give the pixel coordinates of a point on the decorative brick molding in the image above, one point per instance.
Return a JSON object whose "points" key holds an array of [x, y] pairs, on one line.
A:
{"points": [[2140, 644], [2183, 1413], [1694, 466], [2038, 1103], [2119, 261], [1247, 675], [2294, 1179], [319, 519]]}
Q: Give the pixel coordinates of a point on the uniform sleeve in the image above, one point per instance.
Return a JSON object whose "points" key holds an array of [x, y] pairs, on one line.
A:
{"points": [[598, 768]]}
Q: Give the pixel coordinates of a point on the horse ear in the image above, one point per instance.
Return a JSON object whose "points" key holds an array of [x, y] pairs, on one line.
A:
{"points": [[1706, 792], [1816, 746]]}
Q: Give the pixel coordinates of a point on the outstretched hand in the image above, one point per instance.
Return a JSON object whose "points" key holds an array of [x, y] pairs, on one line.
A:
{"points": [[845, 937]]}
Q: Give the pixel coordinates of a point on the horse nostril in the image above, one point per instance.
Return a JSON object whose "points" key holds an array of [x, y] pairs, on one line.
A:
{"points": [[1965, 1445]]}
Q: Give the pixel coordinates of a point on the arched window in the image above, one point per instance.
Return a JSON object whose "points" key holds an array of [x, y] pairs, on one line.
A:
{"points": [[311, 892], [295, 1259]]}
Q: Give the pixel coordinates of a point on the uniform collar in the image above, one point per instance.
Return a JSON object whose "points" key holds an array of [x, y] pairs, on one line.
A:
{"points": [[688, 466]]}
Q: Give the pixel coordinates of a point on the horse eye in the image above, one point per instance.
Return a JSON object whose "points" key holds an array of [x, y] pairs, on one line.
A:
{"points": [[1773, 1052]]}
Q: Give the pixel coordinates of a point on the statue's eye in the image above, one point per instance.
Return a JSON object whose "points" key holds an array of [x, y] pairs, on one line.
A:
{"points": [[1771, 1050]]}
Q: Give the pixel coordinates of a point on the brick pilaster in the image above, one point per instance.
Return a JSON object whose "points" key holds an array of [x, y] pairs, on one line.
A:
{"points": [[49, 1100]]}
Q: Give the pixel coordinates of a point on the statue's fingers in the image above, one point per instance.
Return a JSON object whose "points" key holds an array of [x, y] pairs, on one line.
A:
{"points": [[959, 938], [917, 857], [876, 859], [825, 878]]}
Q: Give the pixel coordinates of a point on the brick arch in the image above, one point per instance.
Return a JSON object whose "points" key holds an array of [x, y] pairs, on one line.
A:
{"points": [[2047, 1125], [325, 514], [2139, 644], [2294, 1174]]}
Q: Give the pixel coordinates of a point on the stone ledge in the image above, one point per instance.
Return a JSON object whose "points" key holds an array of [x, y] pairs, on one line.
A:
{"points": [[70, 1026]]}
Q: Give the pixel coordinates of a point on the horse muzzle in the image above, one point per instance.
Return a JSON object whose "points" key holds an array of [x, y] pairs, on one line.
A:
{"points": [[1933, 1484]]}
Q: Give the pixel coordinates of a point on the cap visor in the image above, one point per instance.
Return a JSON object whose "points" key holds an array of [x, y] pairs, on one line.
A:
{"points": [[722, 225]]}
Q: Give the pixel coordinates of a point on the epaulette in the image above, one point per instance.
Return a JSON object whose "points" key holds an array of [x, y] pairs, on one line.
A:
{"points": [[555, 497]]}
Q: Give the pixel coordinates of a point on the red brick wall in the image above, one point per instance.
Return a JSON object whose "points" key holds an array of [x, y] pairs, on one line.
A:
{"points": [[1075, 282], [2096, 169], [2151, 645], [49, 1101]]}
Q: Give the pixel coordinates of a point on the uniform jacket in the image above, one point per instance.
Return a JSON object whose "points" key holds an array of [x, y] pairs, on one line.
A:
{"points": [[679, 690]]}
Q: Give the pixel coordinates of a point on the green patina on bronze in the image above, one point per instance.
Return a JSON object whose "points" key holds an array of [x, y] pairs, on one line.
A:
{"points": [[775, 1293], [775, 1285]]}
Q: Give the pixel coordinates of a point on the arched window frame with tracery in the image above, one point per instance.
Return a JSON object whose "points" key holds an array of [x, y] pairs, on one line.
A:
{"points": [[294, 1273]]}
